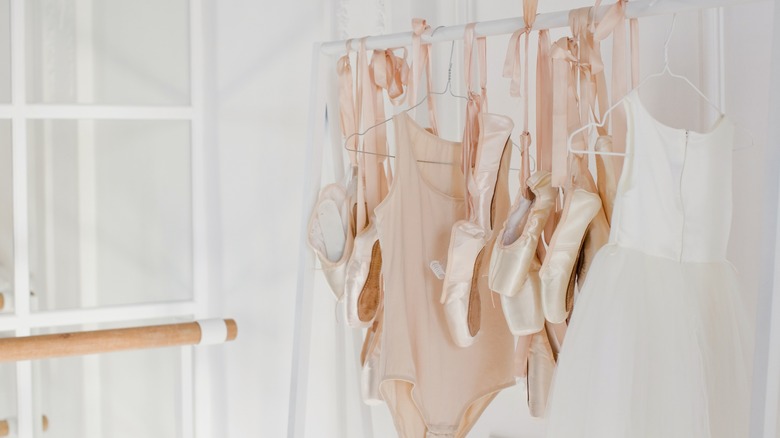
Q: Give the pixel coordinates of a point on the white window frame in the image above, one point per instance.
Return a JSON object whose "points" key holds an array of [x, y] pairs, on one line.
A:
{"points": [[23, 320]]}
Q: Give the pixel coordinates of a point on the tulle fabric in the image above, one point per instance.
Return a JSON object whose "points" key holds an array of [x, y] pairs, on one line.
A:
{"points": [[655, 348]]}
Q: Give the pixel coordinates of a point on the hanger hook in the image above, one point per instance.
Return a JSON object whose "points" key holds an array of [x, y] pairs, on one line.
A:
{"points": [[449, 69]]}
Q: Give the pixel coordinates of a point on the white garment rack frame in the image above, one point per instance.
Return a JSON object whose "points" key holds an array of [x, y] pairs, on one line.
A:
{"points": [[766, 386]]}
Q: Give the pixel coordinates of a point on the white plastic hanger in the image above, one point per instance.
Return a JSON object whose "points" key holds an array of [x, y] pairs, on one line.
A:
{"points": [[666, 70]]}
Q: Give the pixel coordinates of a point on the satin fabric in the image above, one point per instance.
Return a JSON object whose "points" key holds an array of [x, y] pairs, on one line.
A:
{"points": [[386, 72], [357, 275], [468, 251], [513, 253], [467, 241], [523, 311], [370, 361], [485, 149], [557, 271]]}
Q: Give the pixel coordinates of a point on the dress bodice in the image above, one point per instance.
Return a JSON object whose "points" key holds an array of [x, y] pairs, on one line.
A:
{"points": [[674, 195]]}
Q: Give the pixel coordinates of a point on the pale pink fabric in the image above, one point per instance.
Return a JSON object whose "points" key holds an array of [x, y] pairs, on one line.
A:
{"points": [[432, 387]]}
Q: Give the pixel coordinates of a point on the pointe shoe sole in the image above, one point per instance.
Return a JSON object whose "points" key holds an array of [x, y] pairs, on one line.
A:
{"points": [[460, 294]]}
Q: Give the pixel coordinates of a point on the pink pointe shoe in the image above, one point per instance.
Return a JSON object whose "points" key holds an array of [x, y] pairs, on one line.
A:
{"points": [[557, 273], [515, 247], [523, 311], [330, 235], [363, 287], [460, 291]]}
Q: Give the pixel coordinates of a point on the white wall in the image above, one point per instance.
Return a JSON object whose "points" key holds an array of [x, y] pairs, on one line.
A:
{"points": [[261, 65]]}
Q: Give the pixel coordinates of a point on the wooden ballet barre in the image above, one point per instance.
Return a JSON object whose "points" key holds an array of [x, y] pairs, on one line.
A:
{"points": [[204, 332], [5, 426]]}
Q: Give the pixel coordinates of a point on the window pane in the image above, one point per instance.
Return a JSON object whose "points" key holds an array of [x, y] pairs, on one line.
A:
{"points": [[108, 51], [6, 216], [119, 395], [110, 212], [5, 51]]}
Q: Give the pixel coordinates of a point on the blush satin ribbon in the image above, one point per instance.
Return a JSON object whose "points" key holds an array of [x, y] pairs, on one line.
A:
{"points": [[579, 59], [421, 54], [514, 64], [477, 103]]}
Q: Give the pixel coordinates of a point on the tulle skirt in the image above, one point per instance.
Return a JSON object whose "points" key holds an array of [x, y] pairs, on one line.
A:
{"points": [[655, 348]]}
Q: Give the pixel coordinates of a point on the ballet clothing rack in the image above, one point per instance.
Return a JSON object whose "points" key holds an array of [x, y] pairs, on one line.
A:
{"points": [[322, 96], [203, 332], [551, 20]]}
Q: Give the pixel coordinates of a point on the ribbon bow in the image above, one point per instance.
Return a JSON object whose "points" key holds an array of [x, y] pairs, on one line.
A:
{"points": [[391, 73], [420, 27], [513, 69]]}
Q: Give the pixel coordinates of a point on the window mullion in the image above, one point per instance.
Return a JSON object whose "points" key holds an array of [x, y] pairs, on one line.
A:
{"points": [[21, 281]]}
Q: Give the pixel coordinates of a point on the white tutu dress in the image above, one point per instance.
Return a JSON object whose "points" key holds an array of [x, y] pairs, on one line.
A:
{"points": [[657, 343]]}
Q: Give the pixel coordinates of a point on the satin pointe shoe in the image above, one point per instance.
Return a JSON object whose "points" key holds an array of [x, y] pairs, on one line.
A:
{"points": [[523, 311], [557, 270], [522, 348], [516, 245], [493, 147], [460, 290], [596, 237], [369, 360], [597, 234], [363, 285], [541, 367], [330, 235], [599, 229], [556, 333], [460, 294]]}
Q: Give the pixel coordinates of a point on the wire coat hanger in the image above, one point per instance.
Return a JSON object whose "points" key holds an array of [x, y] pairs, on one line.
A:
{"points": [[666, 70], [447, 90]]}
